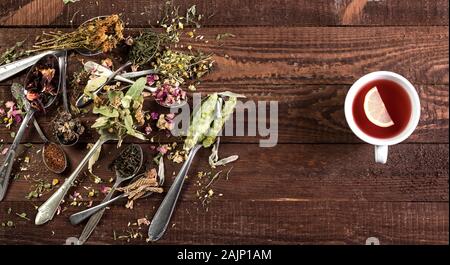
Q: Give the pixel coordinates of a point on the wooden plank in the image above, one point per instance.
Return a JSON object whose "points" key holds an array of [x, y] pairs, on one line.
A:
{"points": [[287, 172], [306, 114], [313, 55], [246, 222], [232, 12]]}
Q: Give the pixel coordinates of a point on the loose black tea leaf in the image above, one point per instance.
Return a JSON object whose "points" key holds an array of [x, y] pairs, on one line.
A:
{"points": [[128, 161]]}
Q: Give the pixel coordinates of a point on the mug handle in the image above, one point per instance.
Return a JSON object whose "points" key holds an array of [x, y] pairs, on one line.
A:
{"points": [[381, 153]]}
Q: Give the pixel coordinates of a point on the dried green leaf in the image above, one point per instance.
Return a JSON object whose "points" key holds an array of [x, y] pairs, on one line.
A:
{"points": [[100, 122], [94, 159], [94, 84], [106, 111]]}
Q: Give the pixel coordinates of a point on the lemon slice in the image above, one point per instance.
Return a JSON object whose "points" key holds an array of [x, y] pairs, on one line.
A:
{"points": [[375, 109]]}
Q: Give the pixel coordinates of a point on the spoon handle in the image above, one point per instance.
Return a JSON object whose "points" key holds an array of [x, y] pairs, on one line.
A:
{"points": [[126, 80], [63, 69], [15, 67], [39, 131], [5, 170], [79, 217], [93, 221], [137, 73], [162, 217], [84, 100], [48, 209]]}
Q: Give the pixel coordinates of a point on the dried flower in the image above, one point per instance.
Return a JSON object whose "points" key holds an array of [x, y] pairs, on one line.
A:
{"points": [[101, 34], [165, 122], [151, 79], [169, 94]]}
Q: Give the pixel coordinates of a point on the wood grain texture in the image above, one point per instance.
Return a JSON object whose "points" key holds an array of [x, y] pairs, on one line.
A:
{"points": [[296, 172], [246, 222], [311, 55], [306, 114], [319, 185], [235, 12]]}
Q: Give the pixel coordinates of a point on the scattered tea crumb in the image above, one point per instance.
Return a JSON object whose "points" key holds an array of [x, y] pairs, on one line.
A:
{"points": [[23, 216]]}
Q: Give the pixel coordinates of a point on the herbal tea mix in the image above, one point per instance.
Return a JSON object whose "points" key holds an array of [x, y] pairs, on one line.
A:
{"points": [[165, 68]]}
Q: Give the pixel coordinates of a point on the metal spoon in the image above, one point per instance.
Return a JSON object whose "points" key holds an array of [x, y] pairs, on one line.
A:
{"points": [[80, 216], [93, 221], [92, 66], [162, 216], [62, 58], [47, 142], [5, 170], [84, 99], [18, 96], [18, 66], [48, 209]]}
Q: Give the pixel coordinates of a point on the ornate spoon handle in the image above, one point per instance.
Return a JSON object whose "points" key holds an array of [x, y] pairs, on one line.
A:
{"points": [[13, 68], [48, 209], [162, 217], [5, 170]]}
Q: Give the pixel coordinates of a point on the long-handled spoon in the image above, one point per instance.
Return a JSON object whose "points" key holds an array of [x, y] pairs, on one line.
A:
{"points": [[63, 68], [84, 99], [47, 143], [120, 178], [48, 209], [79, 217], [17, 93], [5, 170], [18, 66], [162, 216], [101, 70]]}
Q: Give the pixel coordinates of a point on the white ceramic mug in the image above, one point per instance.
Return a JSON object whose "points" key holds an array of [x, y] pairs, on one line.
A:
{"points": [[381, 145]]}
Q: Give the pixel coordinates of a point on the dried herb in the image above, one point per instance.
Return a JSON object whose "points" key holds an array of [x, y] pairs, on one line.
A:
{"points": [[201, 122], [137, 189], [128, 161], [224, 36], [145, 47], [178, 67], [216, 128], [54, 157], [120, 114], [38, 189], [101, 34], [214, 157], [70, 1], [168, 93], [23, 216], [205, 192], [67, 128], [13, 53], [42, 84]]}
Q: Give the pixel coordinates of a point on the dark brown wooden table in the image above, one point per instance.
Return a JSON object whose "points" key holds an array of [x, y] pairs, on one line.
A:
{"points": [[320, 184]]}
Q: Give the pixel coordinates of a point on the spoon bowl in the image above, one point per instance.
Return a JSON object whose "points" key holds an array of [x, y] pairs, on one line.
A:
{"points": [[44, 149], [86, 52], [123, 172], [6, 168], [50, 61], [77, 218], [18, 96]]}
